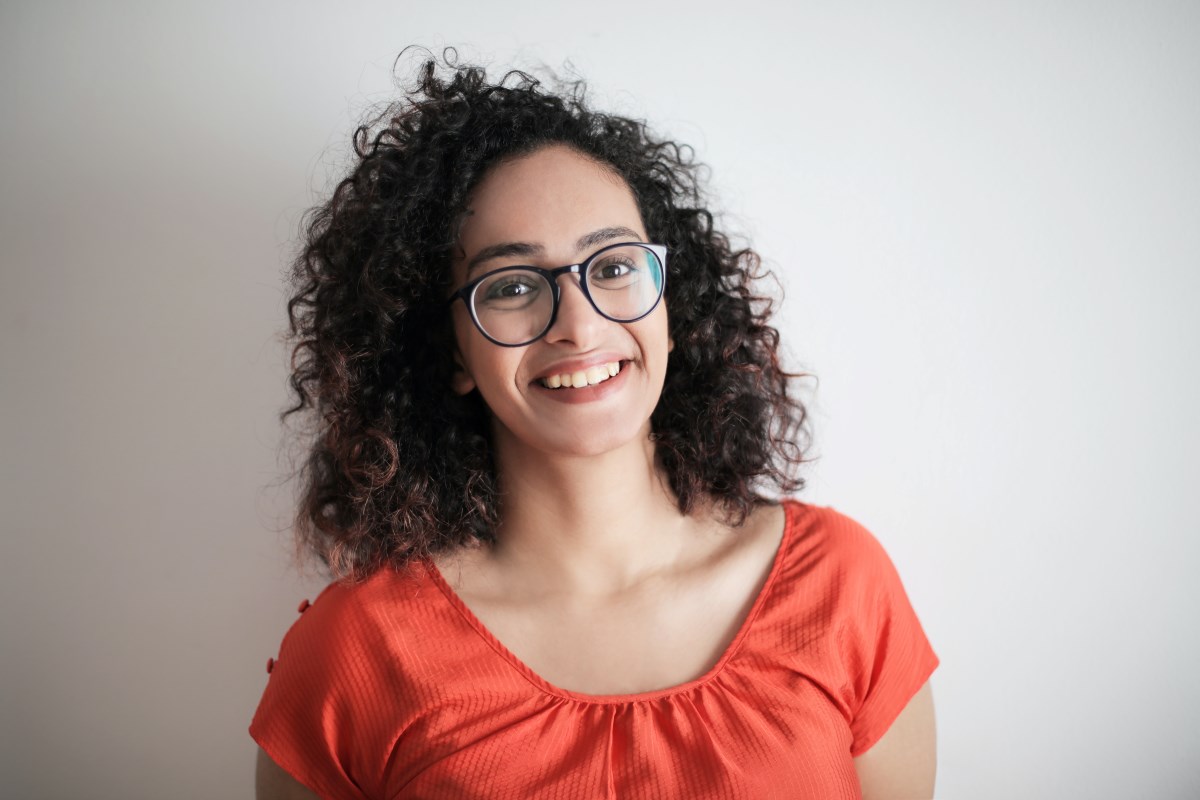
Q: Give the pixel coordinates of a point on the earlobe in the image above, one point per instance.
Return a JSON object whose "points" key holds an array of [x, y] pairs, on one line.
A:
{"points": [[461, 382]]}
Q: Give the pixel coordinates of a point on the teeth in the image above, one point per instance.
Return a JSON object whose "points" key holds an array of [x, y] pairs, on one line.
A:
{"points": [[584, 377]]}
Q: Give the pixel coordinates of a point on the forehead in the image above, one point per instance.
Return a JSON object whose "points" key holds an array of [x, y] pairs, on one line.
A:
{"points": [[550, 198]]}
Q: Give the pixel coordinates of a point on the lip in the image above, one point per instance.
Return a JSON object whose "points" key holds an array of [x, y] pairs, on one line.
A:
{"points": [[580, 364], [589, 394]]}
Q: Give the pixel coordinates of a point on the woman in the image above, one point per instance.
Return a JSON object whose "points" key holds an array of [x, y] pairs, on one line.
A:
{"points": [[548, 409]]}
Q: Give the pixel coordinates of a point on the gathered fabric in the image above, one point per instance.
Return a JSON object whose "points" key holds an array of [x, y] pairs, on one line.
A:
{"points": [[392, 688]]}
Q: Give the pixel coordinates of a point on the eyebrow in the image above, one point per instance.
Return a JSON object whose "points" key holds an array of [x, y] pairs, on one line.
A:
{"points": [[529, 249]]}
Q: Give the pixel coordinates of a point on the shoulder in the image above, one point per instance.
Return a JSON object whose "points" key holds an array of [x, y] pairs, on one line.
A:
{"points": [[356, 638], [342, 689], [861, 637], [835, 575], [372, 604], [367, 616], [820, 534]]}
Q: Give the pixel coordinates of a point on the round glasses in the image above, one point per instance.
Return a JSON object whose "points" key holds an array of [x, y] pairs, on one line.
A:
{"points": [[516, 306]]}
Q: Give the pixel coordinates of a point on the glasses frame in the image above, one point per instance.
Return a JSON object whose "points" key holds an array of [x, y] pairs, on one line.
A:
{"points": [[467, 293]]}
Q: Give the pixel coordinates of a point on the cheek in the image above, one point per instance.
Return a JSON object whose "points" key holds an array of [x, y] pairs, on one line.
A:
{"points": [[660, 334], [489, 368]]}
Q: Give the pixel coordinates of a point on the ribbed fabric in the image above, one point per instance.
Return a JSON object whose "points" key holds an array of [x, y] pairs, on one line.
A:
{"points": [[393, 689]]}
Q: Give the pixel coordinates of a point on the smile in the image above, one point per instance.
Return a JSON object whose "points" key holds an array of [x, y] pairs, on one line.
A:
{"points": [[581, 378]]}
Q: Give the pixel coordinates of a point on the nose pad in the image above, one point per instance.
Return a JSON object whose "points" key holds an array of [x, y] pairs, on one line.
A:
{"points": [[578, 320]]}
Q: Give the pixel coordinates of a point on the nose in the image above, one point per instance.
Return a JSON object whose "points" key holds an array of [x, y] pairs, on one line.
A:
{"points": [[577, 321]]}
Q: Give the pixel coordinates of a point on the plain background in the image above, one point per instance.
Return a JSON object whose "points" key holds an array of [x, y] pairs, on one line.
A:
{"points": [[986, 218]]}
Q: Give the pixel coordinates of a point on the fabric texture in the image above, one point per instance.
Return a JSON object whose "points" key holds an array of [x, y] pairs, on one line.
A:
{"points": [[391, 688]]}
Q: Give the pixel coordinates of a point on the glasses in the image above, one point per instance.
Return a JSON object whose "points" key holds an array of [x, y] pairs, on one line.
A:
{"points": [[516, 306]]}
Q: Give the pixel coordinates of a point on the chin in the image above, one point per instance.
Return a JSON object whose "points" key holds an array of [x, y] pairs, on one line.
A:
{"points": [[577, 443], [606, 448]]}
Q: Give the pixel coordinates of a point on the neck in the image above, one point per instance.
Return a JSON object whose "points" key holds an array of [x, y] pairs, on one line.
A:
{"points": [[590, 524]]}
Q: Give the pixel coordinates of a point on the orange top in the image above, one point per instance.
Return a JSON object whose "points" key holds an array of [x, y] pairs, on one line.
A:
{"points": [[392, 688]]}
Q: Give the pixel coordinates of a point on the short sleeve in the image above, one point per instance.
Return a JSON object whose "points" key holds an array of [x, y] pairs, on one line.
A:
{"points": [[313, 719], [887, 655]]}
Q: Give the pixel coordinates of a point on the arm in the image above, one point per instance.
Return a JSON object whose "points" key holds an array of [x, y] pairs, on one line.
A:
{"points": [[903, 763], [271, 782]]}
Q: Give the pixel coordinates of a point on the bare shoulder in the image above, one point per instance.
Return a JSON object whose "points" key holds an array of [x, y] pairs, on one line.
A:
{"points": [[468, 570], [743, 555], [767, 523], [272, 782], [760, 535]]}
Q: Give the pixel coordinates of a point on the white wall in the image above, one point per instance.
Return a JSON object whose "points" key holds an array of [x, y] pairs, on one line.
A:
{"points": [[987, 223]]}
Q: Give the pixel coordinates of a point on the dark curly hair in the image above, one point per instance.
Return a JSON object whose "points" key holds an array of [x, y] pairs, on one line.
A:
{"points": [[398, 466]]}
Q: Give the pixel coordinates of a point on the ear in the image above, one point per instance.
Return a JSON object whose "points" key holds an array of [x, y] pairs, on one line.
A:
{"points": [[670, 344], [461, 382]]}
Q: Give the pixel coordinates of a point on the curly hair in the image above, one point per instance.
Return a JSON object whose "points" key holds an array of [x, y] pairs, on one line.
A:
{"points": [[398, 466]]}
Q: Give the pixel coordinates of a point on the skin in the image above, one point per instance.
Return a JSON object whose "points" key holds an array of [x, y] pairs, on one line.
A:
{"points": [[597, 582], [272, 782], [902, 765], [560, 208]]}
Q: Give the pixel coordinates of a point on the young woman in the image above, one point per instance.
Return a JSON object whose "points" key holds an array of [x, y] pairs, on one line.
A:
{"points": [[549, 411]]}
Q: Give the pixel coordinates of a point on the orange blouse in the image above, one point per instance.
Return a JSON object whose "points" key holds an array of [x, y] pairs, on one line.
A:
{"points": [[392, 688]]}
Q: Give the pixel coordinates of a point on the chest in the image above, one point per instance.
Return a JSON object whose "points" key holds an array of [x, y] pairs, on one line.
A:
{"points": [[666, 629], [625, 645]]}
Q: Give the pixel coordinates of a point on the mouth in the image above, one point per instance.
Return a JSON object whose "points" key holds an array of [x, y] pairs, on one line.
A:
{"points": [[584, 377]]}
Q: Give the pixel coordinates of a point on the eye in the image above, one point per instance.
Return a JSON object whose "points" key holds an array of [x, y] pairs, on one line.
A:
{"points": [[508, 290], [616, 270]]}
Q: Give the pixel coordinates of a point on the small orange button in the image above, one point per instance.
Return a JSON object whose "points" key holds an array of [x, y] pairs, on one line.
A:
{"points": [[304, 604]]}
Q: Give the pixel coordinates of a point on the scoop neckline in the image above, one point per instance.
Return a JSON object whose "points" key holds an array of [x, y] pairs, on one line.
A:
{"points": [[790, 510]]}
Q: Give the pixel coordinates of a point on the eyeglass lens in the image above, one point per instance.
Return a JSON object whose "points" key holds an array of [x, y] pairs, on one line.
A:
{"points": [[515, 306]]}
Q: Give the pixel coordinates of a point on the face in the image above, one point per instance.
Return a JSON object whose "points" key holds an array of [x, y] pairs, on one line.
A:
{"points": [[548, 209]]}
